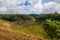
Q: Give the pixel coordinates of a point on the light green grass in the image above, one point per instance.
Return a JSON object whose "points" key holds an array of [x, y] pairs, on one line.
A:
{"points": [[31, 29]]}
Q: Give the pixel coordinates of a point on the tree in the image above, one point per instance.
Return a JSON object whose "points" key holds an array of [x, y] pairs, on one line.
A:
{"points": [[52, 27]]}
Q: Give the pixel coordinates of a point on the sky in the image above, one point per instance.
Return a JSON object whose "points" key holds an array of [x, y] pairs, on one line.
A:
{"points": [[29, 6]]}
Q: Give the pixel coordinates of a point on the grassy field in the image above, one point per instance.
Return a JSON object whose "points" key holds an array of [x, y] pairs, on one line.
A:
{"points": [[31, 29], [14, 31]]}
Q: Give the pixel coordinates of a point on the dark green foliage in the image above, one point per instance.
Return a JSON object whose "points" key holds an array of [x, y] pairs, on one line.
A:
{"points": [[52, 27], [37, 17], [16, 17], [9, 17], [53, 16], [26, 17]]}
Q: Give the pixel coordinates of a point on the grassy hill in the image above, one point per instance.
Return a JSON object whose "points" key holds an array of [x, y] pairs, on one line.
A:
{"points": [[30, 27], [13, 31]]}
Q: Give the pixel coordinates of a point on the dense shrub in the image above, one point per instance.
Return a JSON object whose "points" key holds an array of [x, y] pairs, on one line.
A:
{"points": [[52, 27], [54, 16]]}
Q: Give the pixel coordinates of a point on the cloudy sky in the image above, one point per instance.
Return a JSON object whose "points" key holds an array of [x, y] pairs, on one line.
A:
{"points": [[29, 6]]}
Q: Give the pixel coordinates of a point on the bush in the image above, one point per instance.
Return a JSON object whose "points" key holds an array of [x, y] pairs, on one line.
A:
{"points": [[52, 27]]}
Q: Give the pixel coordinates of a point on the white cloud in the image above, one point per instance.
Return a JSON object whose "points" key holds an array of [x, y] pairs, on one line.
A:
{"points": [[3, 9], [58, 1], [51, 7], [10, 6], [14, 2], [38, 5]]}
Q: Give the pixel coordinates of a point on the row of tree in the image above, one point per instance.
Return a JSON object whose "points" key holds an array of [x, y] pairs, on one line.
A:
{"points": [[36, 17], [16, 17]]}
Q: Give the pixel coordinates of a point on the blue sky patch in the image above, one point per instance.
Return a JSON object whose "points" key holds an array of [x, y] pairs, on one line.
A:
{"points": [[44, 1], [26, 3]]}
